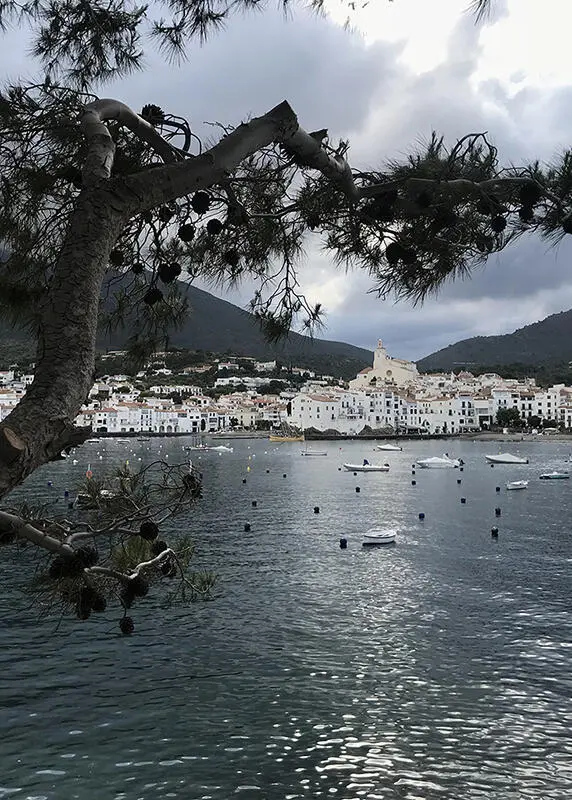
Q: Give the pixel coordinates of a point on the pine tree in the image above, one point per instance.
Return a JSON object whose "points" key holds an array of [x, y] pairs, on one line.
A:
{"points": [[92, 192]]}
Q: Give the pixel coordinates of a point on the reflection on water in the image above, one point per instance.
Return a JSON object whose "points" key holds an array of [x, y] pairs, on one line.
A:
{"points": [[438, 668]]}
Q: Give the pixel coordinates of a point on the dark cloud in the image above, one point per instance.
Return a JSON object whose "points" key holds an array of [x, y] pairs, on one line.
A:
{"points": [[327, 75], [333, 79]]}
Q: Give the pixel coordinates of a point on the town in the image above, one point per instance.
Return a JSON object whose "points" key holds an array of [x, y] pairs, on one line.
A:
{"points": [[389, 398]]}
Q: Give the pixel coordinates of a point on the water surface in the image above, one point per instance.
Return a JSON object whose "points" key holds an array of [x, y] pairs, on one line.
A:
{"points": [[438, 668]]}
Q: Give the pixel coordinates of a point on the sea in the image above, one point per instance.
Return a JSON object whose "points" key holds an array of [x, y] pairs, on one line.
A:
{"points": [[438, 667]]}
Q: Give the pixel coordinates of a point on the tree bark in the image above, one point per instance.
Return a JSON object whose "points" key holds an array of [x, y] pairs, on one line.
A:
{"points": [[41, 425]]}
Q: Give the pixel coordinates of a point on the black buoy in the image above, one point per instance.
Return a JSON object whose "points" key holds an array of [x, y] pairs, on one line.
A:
{"points": [[358, 489], [492, 465], [267, 470], [497, 488], [284, 475], [495, 532], [414, 483], [459, 481], [355, 474], [413, 472], [421, 515], [66, 493], [463, 500], [316, 509], [244, 480], [254, 503], [70, 505], [460, 469], [339, 469], [343, 543], [247, 526], [497, 512]]}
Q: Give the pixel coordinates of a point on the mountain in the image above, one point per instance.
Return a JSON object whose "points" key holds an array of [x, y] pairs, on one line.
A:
{"points": [[218, 326], [545, 342]]}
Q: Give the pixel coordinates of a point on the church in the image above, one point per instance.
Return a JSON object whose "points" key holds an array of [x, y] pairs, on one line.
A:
{"points": [[386, 370]]}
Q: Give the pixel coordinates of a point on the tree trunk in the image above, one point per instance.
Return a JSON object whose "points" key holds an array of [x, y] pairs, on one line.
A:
{"points": [[41, 425]]}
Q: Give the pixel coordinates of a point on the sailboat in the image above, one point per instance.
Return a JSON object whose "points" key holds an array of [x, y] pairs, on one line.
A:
{"points": [[308, 452]]}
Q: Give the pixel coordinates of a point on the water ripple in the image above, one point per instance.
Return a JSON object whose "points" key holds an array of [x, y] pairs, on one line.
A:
{"points": [[436, 669]]}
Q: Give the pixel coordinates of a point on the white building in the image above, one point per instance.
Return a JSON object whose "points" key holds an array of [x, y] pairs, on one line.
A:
{"points": [[182, 389], [246, 417], [6, 377], [385, 370], [264, 366]]}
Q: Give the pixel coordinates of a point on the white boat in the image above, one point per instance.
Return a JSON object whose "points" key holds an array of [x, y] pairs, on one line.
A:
{"points": [[220, 448], [506, 458], [440, 462], [554, 476], [366, 467], [517, 485], [313, 453], [388, 447], [378, 536]]}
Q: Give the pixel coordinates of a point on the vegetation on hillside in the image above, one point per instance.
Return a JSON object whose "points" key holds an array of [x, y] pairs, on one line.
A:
{"points": [[545, 344]]}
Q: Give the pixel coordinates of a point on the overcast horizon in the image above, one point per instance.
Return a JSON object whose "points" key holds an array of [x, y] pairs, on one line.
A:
{"points": [[419, 66]]}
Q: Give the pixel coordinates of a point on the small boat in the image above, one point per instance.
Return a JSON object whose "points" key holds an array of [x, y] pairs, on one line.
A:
{"points": [[506, 458], [511, 485], [277, 438], [91, 441], [314, 453], [440, 462], [375, 537], [142, 439], [220, 448], [388, 447], [554, 476], [366, 467]]}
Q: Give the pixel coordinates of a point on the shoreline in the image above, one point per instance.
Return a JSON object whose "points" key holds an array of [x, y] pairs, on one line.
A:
{"points": [[315, 436]]}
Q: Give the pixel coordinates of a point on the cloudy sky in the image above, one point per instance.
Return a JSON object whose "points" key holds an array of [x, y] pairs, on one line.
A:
{"points": [[406, 68]]}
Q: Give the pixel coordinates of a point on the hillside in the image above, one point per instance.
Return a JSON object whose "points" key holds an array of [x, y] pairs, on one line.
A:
{"points": [[218, 326], [545, 342]]}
